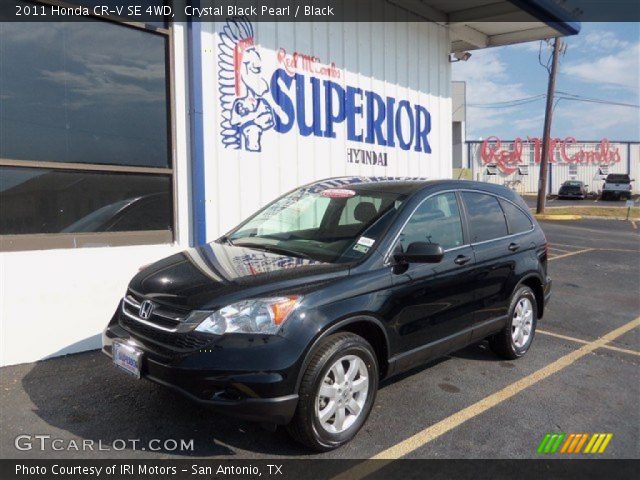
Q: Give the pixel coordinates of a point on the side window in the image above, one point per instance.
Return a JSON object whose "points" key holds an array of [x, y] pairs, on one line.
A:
{"points": [[437, 220], [486, 218], [517, 220]]}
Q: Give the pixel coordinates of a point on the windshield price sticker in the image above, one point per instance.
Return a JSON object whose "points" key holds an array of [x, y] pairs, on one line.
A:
{"points": [[366, 241], [364, 244], [338, 193]]}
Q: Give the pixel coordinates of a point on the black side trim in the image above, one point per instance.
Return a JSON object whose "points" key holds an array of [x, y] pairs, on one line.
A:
{"points": [[488, 327], [407, 360]]}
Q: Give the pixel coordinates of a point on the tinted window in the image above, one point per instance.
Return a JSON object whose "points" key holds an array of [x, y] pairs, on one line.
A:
{"points": [[437, 220], [618, 178], [517, 220], [36, 200], [486, 219], [83, 92]]}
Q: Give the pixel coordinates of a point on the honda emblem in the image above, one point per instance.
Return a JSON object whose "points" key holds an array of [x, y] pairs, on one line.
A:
{"points": [[145, 309]]}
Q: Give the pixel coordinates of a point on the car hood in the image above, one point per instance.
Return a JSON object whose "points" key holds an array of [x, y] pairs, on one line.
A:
{"points": [[215, 274]]}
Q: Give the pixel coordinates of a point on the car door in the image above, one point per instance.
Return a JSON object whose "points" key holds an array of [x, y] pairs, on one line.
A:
{"points": [[433, 303], [492, 247]]}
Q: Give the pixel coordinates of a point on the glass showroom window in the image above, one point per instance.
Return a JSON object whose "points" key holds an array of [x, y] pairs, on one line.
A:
{"points": [[85, 153]]}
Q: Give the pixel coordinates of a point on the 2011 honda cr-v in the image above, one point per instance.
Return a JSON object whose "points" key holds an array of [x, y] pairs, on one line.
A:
{"points": [[294, 316]]}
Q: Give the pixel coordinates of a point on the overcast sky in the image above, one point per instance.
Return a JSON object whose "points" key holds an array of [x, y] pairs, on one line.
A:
{"points": [[602, 62]]}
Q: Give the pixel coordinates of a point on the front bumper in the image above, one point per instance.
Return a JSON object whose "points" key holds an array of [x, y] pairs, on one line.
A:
{"points": [[252, 394], [571, 195], [617, 193]]}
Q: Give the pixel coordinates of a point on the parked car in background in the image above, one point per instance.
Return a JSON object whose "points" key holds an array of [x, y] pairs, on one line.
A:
{"points": [[573, 189], [616, 186], [295, 316]]}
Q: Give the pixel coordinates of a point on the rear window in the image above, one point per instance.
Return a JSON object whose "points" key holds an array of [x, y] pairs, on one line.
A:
{"points": [[618, 178], [486, 218], [517, 220]]}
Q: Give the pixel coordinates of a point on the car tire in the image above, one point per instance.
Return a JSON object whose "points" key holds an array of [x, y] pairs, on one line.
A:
{"points": [[323, 434], [515, 339]]}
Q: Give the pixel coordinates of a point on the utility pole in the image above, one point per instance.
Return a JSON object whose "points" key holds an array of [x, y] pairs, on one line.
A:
{"points": [[546, 136]]}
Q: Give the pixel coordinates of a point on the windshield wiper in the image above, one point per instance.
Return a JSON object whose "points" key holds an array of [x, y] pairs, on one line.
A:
{"points": [[226, 240], [275, 249]]}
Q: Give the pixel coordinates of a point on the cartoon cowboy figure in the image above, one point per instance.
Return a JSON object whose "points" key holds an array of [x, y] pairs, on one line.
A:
{"points": [[251, 114]]}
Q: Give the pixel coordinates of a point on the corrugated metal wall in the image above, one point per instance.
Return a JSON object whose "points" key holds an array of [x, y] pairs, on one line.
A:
{"points": [[560, 170], [406, 61]]}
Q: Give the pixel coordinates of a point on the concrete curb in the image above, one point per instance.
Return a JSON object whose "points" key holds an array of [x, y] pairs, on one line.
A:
{"points": [[558, 217]]}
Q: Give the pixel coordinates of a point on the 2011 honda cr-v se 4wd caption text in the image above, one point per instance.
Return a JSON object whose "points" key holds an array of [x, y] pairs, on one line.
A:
{"points": [[295, 315]]}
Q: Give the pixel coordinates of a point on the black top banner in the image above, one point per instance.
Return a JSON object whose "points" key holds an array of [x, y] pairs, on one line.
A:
{"points": [[163, 12]]}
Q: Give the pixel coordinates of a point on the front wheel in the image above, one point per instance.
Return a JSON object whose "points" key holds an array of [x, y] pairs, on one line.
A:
{"points": [[337, 392], [516, 337]]}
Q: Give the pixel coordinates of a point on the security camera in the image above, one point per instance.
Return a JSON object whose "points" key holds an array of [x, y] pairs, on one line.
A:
{"points": [[464, 56]]}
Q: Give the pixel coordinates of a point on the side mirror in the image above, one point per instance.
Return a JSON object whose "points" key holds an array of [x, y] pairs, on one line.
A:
{"points": [[420, 252]]}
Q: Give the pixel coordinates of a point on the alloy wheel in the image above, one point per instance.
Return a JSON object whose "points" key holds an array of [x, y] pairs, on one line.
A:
{"points": [[342, 394], [522, 323]]}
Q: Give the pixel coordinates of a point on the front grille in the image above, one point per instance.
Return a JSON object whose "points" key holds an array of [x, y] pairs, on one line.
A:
{"points": [[176, 341], [161, 327]]}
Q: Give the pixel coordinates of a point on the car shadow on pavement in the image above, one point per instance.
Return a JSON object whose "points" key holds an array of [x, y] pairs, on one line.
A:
{"points": [[478, 351], [86, 396]]}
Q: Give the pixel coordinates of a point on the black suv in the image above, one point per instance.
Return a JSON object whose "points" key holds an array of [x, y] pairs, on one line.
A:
{"points": [[295, 315]]}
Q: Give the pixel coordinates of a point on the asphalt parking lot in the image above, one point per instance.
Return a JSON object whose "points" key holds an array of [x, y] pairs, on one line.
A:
{"points": [[467, 405]]}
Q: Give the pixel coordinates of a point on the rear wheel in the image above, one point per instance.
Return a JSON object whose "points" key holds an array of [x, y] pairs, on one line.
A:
{"points": [[516, 337], [337, 392]]}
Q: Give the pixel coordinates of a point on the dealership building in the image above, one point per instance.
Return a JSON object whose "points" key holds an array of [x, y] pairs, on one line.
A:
{"points": [[122, 143], [516, 163]]}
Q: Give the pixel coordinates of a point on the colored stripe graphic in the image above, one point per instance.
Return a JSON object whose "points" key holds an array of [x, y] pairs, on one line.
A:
{"points": [[581, 443], [572, 443], [567, 442], [607, 439], [543, 443], [556, 445]]}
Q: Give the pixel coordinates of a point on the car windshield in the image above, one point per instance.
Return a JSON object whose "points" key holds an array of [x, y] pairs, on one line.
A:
{"points": [[573, 184], [335, 225], [618, 178]]}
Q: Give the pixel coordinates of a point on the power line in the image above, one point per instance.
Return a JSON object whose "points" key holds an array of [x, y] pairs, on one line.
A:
{"points": [[562, 96], [508, 102]]}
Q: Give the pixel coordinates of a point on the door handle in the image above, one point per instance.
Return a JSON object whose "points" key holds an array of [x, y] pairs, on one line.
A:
{"points": [[514, 246], [461, 259]]}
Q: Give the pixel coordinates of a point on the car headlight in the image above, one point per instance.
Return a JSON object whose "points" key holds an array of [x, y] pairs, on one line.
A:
{"points": [[262, 315]]}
